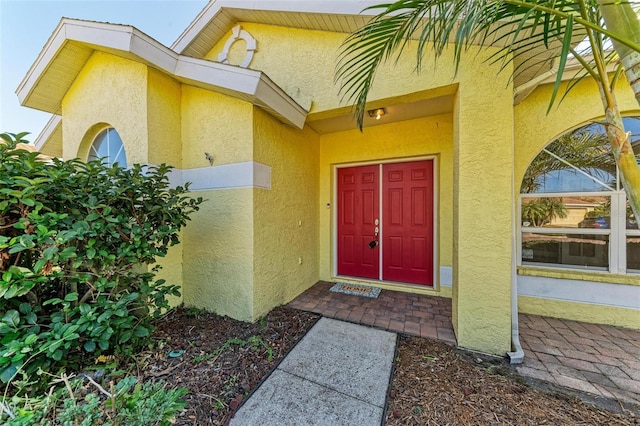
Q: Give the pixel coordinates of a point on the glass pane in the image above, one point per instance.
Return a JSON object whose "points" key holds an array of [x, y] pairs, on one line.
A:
{"points": [[590, 251], [632, 222], [633, 253], [578, 161], [109, 147], [566, 212]]}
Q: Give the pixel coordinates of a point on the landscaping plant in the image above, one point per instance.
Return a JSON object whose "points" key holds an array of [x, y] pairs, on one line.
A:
{"points": [[78, 242]]}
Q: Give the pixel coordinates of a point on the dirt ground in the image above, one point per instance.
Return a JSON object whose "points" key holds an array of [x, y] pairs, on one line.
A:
{"points": [[220, 361]]}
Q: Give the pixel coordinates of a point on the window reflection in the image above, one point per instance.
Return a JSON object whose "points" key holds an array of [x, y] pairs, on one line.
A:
{"points": [[109, 147], [566, 212], [580, 250]]}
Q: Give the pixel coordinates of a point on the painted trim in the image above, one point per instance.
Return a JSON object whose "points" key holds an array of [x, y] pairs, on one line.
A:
{"points": [[591, 292], [248, 174], [581, 275], [237, 33], [248, 85]]}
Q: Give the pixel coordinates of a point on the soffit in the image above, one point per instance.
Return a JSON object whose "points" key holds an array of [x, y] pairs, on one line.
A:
{"points": [[49, 141], [395, 112], [74, 41]]}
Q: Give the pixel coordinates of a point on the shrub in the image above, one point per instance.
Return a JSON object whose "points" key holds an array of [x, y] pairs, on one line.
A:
{"points": [[77, 403], [75, 242]]}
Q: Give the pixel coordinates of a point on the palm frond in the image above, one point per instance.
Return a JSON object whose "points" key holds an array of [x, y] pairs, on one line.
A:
{"points": [[515, 27]]}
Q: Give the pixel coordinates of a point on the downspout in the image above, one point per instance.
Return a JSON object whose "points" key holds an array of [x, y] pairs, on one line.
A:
{"points": [[517, 354]]}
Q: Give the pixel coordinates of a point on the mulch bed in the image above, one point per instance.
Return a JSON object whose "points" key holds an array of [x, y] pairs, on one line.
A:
{"points": [[436, 384], [223, 359]]}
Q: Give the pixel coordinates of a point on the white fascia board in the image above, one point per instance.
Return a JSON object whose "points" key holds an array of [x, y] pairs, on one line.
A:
{"points": [[274, 98], [128, 41], [211, 10], [54, 122], [218, 75]]}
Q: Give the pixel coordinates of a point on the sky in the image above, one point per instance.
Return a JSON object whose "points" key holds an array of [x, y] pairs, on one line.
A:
{"points": [[25, 27]]}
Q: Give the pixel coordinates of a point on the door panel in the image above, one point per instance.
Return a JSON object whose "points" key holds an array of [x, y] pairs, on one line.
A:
{"points": [[407, 222], [406, 227], [358, 208]]}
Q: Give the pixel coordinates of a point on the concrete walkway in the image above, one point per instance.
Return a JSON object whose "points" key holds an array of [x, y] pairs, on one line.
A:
{"points": [[337, 375]]}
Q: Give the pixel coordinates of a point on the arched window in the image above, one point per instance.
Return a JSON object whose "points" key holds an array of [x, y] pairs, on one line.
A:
{"points": [[574, 211], [109, 147]]}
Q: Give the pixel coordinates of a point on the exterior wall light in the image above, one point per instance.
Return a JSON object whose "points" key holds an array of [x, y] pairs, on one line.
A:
{"points": [[377, 113]]}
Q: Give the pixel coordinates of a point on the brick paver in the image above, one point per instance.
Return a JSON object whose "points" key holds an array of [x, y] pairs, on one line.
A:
{"points": [[593, 358], [414, 314]]}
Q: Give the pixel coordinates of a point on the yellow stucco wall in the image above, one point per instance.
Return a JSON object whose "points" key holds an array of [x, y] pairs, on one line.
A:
{"points": [[218, 254], [482, 207], [217, 124], [302, 62], [164, 119], [429, 136], [285, 216], [96, 98]]}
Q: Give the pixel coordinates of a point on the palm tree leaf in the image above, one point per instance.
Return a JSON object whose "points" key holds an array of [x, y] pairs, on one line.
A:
{"points": [[566, 45]]}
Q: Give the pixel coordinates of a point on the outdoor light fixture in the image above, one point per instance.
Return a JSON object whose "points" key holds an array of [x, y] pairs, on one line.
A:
{"points": [[377, 113]]}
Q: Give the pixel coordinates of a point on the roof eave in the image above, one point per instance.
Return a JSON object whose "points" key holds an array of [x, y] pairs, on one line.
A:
{"points": [[249, 85]]}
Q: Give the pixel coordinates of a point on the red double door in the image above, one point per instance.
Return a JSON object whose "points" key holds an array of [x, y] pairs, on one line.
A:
{"points": [[385, 222]]}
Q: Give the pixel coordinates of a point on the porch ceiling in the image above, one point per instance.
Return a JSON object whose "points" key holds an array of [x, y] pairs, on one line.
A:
{"points": [[74, 41], [394, 112]]}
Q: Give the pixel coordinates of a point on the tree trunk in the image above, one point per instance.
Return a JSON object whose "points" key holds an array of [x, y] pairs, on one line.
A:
{"points": [[625, 157], [621, 18]]}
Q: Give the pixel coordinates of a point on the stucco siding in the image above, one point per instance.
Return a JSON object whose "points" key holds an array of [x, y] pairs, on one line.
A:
{"points": [[285, 244], [216, 124], [164, 119], [109, 91], [483, 200], [218, 254], [303, 62]]}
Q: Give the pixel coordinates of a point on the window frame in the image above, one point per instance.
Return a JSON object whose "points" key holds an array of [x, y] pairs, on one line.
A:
{"points": [[617, 232]]}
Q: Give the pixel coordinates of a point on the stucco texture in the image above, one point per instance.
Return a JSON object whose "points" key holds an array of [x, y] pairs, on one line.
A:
{"points": [[303, 62], [534, 128], [483, 207], [218, 254], [286, 215], [164, 119], [587, 312], [109, 92], [217, 124]]}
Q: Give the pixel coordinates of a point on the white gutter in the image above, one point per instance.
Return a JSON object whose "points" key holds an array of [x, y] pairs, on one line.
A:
{"points": [[516, 356]]}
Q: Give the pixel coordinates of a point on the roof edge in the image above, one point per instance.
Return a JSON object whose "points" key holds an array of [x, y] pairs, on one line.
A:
{"points": [[131, 43], [215, 7]]}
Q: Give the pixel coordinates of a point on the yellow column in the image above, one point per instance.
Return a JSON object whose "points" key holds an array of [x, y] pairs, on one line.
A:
{"points": [[482, 228]]}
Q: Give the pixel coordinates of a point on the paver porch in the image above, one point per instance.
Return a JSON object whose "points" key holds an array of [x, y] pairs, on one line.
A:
{"points": [[601, 360], [414, 314]]}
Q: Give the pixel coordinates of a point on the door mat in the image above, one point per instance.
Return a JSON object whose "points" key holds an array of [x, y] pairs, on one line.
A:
{"points": [[357, 290]]}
